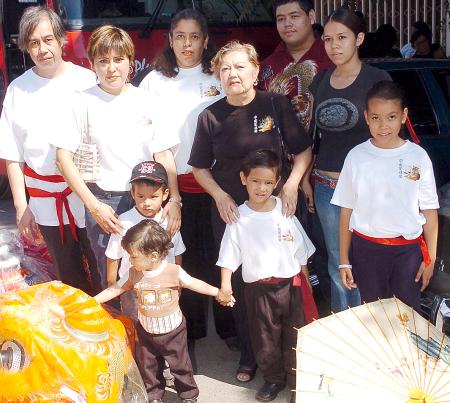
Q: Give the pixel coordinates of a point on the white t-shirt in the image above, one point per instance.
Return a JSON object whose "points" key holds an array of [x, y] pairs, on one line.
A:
{"points": [[181, 99], [124, 129], [32, 113], [267, 244], [386, 188], [128, 219]]}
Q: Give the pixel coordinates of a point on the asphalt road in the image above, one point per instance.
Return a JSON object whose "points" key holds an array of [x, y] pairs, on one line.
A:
{"points": [[216, 364]]}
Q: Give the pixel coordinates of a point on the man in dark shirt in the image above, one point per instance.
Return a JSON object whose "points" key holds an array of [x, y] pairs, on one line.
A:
{"points": [[291, 67]]}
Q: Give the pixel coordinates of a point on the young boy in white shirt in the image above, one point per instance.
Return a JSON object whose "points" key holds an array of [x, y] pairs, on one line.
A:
{"points": [[149, 189], [273, 249]]}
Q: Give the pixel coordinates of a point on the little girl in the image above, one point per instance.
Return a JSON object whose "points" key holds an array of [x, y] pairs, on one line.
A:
{"points": [[162, 327], [388, 200]]}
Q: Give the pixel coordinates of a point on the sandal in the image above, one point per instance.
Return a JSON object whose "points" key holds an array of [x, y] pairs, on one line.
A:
{"points": [[245, 374]]}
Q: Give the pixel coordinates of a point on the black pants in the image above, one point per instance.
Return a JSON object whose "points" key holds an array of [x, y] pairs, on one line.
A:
{"points": [[239, 310], [199, 261], [74, 261], [274, 311], [151, 352]]}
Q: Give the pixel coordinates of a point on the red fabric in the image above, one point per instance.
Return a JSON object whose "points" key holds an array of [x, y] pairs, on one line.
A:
{"points": [[280, 58], [60, 199], [400, 241], [299, 280], [411, 131], [188, 184], [309, 305], [46, 178]]}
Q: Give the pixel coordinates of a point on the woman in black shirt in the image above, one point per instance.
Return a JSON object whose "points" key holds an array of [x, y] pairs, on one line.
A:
{"points": [[244, 121]]}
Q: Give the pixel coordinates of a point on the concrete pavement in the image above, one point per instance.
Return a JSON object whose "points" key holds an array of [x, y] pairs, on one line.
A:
{"points": [[215, 362]]}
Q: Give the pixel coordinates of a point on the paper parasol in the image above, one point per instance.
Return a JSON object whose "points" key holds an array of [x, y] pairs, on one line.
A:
{"points": [[381, 352]]}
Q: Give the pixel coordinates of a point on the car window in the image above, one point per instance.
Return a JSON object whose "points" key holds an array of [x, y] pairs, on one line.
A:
{"points": [[443, 79], [418, 102], [139, 11]]}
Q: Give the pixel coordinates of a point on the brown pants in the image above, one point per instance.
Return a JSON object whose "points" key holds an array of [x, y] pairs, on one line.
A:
{"points": [[74, 261], [151, 352], [274, 311]]}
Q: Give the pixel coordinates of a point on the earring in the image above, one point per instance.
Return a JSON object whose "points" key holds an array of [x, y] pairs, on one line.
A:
{"points": [[255, 83]]}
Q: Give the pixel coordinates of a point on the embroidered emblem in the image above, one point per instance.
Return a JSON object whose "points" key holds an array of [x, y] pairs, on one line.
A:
{"points": [[212, 91], [103, 387], [266, 124], [412, 173], [164, 296], [149, 297], [147, 167], [288, 236]]}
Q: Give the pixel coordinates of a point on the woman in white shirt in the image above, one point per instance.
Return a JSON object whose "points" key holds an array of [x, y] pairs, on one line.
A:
{"points": [[120, 119], [182, 81]]}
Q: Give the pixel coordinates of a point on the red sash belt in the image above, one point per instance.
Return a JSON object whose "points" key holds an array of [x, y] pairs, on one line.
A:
{"points": [[60, 198], [188, 184], [309, 306], [400, 241], [296, 280]]}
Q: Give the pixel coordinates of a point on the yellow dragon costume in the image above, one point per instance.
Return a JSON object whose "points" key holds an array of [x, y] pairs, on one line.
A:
{"points": [[57, 344]]}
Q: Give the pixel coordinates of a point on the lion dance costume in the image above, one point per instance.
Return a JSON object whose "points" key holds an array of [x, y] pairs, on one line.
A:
{"points": [[57, 344]]}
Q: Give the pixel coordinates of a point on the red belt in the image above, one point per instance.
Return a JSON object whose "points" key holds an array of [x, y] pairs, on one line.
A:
{"points": [[400, 241], [60, 198], [296, 280], [188, 184], [327, 181]]}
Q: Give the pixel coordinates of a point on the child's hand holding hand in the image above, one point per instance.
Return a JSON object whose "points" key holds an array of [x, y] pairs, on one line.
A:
{"points": [[225, 297]]}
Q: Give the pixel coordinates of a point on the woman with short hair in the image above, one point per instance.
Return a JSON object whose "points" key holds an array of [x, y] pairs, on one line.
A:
{"points": [[245, 120], [119, 119]]}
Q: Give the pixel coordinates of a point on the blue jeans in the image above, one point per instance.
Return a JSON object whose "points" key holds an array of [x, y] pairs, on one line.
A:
{"points": [[329, 215], [98, 238]]}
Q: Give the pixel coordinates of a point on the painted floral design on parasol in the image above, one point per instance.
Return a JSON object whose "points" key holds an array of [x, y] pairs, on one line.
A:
{"points": [[378, 352]]}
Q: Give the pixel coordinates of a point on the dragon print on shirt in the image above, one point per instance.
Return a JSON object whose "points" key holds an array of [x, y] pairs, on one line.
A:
{"points": [[299, 76]]}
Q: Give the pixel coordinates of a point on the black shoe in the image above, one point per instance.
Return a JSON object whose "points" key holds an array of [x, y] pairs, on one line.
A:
{"points": [[155, 401], [190, 400], [269, 391], [232, 343]]}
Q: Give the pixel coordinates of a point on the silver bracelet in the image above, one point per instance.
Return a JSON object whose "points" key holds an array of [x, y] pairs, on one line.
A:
{"points": [[173, 200], [345, 266]]}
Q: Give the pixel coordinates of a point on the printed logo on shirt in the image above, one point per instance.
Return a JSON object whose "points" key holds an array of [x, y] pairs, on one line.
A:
{"points": [[336, 114], [284, 235], [212, 91], [263, 125], [164, 296], [412, 172], [149, 297]]}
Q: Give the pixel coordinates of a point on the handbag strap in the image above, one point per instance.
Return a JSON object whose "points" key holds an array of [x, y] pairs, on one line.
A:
{"points": [[82, 119], [283, 148]]}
